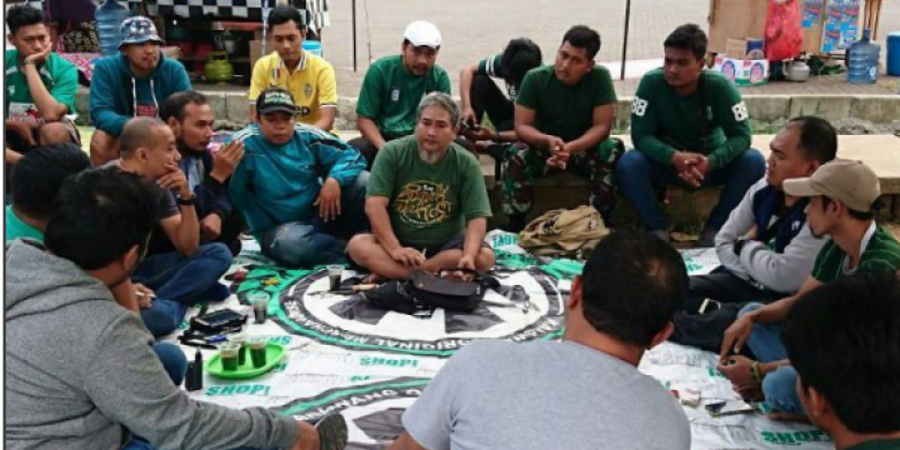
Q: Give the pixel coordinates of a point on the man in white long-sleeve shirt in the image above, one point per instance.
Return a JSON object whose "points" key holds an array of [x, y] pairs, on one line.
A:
{"points": [[765, 247]]}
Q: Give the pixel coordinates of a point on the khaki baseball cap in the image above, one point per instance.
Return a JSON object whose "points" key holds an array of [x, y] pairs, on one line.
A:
{"points": [[850, 182]]}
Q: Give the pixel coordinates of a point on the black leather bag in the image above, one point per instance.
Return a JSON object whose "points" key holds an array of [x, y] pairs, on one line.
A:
{"points": [[424, 291]]}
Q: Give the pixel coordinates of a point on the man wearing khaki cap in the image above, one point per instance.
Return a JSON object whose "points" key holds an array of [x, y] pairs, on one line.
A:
{"points": [[843, 199]]}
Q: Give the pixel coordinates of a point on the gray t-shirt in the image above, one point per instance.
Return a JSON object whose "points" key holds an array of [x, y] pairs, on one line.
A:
{"points": [[497, 395]]}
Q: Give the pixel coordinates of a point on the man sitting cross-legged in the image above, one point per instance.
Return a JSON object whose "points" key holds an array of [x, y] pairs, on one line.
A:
{"points": [[426, 201], [843, 339], [80, 370], [302, 191], [583, 393], [843, 200], [189, 274]]}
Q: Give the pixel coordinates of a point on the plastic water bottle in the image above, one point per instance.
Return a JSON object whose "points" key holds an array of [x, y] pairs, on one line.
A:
{"points": [[862, 60], [109, 17]]}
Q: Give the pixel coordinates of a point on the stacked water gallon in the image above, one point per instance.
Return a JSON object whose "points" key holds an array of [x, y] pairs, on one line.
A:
{"points": [[862, 60], [109, 17]]}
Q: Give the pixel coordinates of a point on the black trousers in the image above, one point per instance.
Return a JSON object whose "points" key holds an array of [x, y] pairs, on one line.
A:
{"points": [[705, 331], [487, 98]]}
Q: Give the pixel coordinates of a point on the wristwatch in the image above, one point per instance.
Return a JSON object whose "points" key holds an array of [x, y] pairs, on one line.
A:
{"points": [[185, 201], [739, 245]]}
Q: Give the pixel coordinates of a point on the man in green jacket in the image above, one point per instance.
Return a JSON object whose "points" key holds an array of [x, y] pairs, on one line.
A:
{"points": [[690, 127]]}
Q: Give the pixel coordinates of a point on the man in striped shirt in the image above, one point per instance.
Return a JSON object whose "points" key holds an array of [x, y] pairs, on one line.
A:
{"points": [[843, 200]]}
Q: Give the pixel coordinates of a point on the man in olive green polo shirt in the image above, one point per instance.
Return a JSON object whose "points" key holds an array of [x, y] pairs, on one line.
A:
{"points": [[843, 201], [393, 87], [40, 86], [844, 341], [564, 116], [38, 178]]}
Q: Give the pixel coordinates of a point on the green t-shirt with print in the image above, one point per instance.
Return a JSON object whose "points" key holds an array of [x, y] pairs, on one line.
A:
{"points": [[561, 110], [429, 203], [390, 95], [664, 122], [59, 76], [882, 254]]}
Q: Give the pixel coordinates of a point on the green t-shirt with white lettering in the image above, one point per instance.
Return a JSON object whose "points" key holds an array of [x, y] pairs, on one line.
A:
{"points": [[390, 95], [59, 76], [429, 203], [565, 111], [664, 122], [882, 254]]}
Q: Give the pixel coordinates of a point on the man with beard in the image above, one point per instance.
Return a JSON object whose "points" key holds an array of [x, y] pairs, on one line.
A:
{"points": [[393, 87], [426, 201], [190, 117]]}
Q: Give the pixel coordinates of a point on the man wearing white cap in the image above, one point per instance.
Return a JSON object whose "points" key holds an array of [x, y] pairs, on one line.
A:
{"points": [[843, 200], [393, 87]]}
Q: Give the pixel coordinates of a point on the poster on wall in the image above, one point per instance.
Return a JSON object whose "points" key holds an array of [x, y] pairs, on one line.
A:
{"points": [[812, 13], [841, 25]]}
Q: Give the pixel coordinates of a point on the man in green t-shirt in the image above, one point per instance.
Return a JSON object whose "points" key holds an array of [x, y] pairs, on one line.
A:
{"points": [[689, 127], [40, 86], [844, 343], [843, 200], [393, 87], [480, 95], [39, 177], [564, 115], [426, 201]]}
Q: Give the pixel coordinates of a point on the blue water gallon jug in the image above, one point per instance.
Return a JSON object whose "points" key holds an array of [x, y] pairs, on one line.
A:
{"points": [[862, 60], [109, 17], [314, 47], [893, 54]]}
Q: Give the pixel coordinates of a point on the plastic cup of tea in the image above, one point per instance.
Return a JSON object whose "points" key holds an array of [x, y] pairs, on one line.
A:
{"points": [[335, 272], [258, 351], [260, 302], [228, 352], [241, 340]]}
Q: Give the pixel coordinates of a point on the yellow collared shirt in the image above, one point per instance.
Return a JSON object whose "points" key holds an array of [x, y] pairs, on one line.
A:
{"points": [[312, 83]]}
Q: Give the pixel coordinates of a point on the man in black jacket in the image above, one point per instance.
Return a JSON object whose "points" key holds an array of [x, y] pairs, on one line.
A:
{"points": [[190, 117]]}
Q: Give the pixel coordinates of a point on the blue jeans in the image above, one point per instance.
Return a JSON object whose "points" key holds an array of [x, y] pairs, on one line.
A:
{"points": [[173, 360], [640, 178], [779, 387], [312, 242], [187, 279], [163, 317]]}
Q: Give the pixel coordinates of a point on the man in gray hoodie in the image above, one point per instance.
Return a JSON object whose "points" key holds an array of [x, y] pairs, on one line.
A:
{"points": [[80, 370], [766, 248]]}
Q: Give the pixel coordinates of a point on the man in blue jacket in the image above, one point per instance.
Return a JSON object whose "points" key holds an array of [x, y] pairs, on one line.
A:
{"points": [[131, 84], [302, 191], [190, 117]]}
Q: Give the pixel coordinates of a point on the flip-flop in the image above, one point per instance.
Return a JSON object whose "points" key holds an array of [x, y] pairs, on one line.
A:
{"points": [[332, 432]]}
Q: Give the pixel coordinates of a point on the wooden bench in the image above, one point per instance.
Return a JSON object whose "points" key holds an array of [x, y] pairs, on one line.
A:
{"points": [[566, 190]]}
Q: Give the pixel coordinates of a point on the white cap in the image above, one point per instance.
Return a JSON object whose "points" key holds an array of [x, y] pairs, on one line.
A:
{"points": [[422, 32]]}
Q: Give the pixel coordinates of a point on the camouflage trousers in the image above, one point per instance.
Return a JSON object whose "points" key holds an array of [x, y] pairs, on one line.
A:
{"points": [[522, 165]]}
